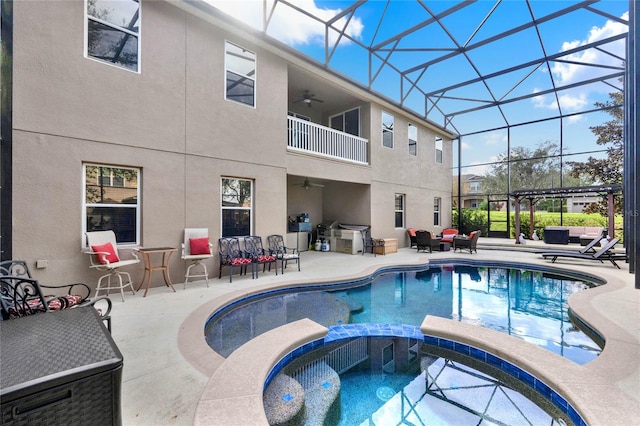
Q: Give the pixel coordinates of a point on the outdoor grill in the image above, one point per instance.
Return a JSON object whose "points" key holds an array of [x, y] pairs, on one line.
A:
{"points": [[342, 238]]}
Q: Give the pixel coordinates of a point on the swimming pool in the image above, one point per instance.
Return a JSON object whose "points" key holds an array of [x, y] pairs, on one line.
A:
{"points": [[527, 303]]}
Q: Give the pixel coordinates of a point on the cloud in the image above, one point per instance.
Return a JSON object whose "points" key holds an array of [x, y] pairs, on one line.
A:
{"points": [[569, 101], [287, 24], [494, 138], [570, 73]]}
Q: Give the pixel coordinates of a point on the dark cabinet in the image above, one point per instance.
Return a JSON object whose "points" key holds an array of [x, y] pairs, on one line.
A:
{"points": [[59, 368]]}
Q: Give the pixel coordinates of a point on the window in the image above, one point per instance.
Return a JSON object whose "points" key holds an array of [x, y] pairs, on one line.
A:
{"points": [[387, 129], [436, 211], [438, 150], [113, 32], [348, 122], [237, 207], [413, 139], [112, 201], [240, 65], [399, 211], [475, 187]]}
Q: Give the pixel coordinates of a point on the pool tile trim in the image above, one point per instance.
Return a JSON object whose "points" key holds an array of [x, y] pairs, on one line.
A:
{"points": [[349, 331]]}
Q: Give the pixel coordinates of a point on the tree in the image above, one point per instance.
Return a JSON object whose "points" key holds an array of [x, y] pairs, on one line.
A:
{"points": [[607, 170], [525, 168]]}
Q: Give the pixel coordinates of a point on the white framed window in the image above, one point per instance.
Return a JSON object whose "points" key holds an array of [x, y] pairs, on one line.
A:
{"points": [[412, 132], [112, 32], [475, 187], [438, 150], [240, 74], [348, 121], [112, 201], [237, 207], [399, 211], [436, 211], [387, 130]]}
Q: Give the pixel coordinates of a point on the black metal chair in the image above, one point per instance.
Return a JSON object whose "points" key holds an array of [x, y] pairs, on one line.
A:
{"points": [[231, 256], [21, 295], [371, 244], [255, 251], [425, 241], [281, 252]]}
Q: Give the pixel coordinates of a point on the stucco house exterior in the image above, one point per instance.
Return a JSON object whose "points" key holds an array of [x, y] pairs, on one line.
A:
{"points": [[150, 117]]}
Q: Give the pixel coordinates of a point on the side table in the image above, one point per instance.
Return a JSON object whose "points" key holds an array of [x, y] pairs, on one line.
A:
{"points": [[149, 267]]}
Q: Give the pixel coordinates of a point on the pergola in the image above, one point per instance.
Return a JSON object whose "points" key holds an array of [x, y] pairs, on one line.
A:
{"points": [[535, 194]]}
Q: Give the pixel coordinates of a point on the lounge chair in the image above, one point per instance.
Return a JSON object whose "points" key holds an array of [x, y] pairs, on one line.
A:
{"points": [[589, 248], [425, 241], [601, 255]]}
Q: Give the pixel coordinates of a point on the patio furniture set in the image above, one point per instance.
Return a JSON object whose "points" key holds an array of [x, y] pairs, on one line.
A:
{"points": [[424, 240]]}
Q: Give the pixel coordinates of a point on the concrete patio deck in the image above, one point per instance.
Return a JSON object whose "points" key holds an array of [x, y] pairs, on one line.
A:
{"points": [[167, 366]]}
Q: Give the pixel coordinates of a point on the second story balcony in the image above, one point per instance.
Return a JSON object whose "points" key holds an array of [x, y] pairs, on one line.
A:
{"points": [[311, 138]]}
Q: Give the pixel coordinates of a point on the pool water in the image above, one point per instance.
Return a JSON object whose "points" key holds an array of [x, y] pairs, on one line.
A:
{"points": [[433, 387], [527, 304]]}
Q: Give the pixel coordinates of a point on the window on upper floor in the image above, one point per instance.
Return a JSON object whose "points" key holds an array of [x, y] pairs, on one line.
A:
{"points": [[240, 66], [113, 32], [237, 207], [436, 211], [387, 130], [399, 211], [438, 150], [475, 187], [112, 201], [413, 139]]}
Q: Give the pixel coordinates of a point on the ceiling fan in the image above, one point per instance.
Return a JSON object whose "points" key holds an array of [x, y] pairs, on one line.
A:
{"points": [[308, 184], [307, 98]]}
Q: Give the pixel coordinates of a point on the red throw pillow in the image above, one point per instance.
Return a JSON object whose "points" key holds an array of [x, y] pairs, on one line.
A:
{"points": [[199, 245], [111, 255]]}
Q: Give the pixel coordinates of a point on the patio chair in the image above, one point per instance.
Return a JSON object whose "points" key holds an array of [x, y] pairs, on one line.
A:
{"points": [[605, 253], [425, 241], [255, 251], [196, 248], [467, 243], [448, 234], [231, 256], [281, 252], [21, 295], [589, 248], [104, 255], [372, 244], [412, 237]]}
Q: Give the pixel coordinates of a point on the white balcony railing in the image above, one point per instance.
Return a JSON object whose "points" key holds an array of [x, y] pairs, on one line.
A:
{"points": [[308, 137]]}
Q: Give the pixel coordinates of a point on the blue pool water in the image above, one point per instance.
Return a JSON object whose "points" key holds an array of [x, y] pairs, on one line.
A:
{"points": [[431, 386], [527, 304]]}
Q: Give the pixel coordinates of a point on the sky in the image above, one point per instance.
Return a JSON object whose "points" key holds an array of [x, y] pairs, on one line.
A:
{"points": [[378, 23]]}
